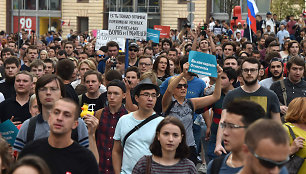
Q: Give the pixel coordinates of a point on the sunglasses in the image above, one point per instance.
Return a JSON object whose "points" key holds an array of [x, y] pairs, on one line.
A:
{"points": [[180, 86], [100, 55], [135, 50], [270, 163]]}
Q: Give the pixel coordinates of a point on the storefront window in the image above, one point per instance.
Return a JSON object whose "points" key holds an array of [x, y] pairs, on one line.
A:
{"points": [[30, 4], [16, 3]]}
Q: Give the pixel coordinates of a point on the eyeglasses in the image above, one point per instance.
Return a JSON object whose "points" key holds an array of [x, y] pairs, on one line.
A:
{"points": [[251, 70], [180, 86], [135, 50], [270, 163], [147, 95], [146, 64], [45, 89], [231, 126]]}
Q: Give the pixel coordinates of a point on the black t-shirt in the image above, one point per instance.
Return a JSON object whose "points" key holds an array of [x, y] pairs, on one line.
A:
{"points": [[7, 88], [97, 103], [70, 93], [73, 159], [10, 107]]}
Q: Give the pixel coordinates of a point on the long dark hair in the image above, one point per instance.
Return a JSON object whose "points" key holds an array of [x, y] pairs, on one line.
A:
{"points": [[155, 65], [182, 150]]}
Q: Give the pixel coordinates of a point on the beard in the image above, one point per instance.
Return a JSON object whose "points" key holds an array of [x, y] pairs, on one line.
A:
{"points": [[277, 77], [250, 83]]}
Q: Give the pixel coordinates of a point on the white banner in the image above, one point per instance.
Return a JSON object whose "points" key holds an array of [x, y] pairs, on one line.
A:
{"points": [[103, 38], [128, 25]]}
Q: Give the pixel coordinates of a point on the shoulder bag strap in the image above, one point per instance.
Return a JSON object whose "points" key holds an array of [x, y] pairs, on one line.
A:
{"points": [[291, 132], [284, 91], [31, 129], [216, 165], [139, 126]]}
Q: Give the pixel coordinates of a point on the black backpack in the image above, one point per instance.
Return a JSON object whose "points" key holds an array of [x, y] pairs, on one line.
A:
{"points": [[172, 104], [32, 127]]}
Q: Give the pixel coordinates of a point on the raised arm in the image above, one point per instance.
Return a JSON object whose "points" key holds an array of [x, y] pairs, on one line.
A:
{"points": [[129, 105], [202, 102], [166, 101]]}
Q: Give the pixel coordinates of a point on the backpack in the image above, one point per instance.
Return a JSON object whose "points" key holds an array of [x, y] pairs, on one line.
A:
{"points": [[172, 104], [216, 165], [32, 127]]}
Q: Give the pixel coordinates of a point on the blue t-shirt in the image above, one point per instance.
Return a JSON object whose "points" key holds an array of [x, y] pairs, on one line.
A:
{"points": [[225, 169]]}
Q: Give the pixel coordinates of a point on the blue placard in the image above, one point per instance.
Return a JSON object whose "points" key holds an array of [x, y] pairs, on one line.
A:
{"points": [[8, 131], [153, 35], [202, 63]]}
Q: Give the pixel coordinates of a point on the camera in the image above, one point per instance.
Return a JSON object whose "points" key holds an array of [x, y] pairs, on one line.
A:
{"points": [[113, 61], [187, 25]]}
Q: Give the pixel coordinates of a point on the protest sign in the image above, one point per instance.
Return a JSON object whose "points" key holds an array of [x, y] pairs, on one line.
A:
{"points": [[128, 25], [8, 131], [103, 38], [202, 63], [164, 30], [153, 35]]}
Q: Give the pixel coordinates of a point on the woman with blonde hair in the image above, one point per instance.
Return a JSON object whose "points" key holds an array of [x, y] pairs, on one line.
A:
{"points": [[174, 103], [296, 121], [43, 55]]}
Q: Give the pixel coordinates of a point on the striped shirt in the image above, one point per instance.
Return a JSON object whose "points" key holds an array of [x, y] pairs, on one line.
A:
{"points": [[184, 166]]}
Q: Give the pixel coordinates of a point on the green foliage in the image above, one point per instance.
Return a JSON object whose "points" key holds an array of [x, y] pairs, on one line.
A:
{"points": [[285, 8]]}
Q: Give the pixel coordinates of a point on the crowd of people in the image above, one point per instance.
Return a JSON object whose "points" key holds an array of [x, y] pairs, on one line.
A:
{"points": [[150, 114]]}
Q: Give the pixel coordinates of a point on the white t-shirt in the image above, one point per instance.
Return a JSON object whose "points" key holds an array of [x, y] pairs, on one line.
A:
{"points": [[137, 144]]}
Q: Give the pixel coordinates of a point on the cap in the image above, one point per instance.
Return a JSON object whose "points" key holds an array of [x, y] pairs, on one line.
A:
{"points": [[133, 45], [143, 83], [238, 23], [269, 13], [117, 83]]}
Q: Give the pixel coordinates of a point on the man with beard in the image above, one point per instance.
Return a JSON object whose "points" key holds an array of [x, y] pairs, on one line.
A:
{"points": [[276, 68], [250, 91], [295, 86], [11, 68]]}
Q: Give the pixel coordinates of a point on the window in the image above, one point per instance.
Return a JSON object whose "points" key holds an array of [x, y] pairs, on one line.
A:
{"points": [[82, 24], [221, 6], [83, 1], [182, 1]]}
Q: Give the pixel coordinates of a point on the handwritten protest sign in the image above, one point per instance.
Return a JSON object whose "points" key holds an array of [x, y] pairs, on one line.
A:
{"points": [[202, 63], [164, 30], [153, 35], [128, 25], [103, 38], [8, 131]]}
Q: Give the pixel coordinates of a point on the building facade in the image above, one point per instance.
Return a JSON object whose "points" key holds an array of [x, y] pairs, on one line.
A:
{"points": [[86, 15]]}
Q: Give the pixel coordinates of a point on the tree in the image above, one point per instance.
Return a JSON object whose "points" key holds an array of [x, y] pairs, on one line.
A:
{"points": [[285, 8]]}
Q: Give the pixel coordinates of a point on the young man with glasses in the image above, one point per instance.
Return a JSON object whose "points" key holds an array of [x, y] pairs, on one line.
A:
{"points": [[145, 63], [250, 91], [239, 115], [49, 89], [127, 151], [266, 148]]}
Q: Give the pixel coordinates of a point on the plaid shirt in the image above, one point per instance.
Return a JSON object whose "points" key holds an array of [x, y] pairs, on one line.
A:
{"points": [[104, 134]]}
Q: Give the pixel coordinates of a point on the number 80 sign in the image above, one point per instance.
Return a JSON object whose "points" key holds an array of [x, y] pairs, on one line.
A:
{"points": [[26, 22]]}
